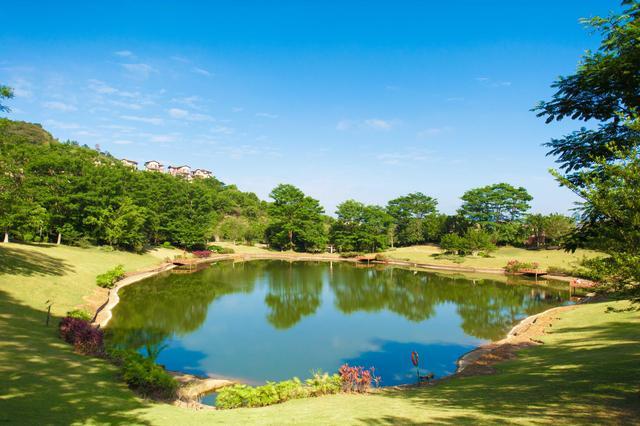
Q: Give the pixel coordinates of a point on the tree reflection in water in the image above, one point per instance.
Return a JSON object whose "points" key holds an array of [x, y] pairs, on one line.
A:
{"points": [[173, 305]]}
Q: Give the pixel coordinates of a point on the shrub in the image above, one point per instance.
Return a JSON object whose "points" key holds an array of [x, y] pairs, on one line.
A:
{"points": [[274, 393], [202, 253], [381, 258], [514, 266], [143, 375], [472, 242], [80, 314], [221, 250], [107, 248], [85, 338], [109, 278], [357, 379], [349, 254], [167, 244]]}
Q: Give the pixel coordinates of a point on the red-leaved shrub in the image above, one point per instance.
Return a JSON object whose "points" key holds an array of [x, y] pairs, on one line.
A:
{"points": [[357, 379], [85, 338], [201, 253]]}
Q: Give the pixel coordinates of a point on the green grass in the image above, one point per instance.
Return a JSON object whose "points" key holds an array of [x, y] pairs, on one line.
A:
{"points": [[498, 259], [586, 372]]}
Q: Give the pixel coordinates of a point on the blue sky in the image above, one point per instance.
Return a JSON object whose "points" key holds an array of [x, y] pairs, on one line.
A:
{"points": [[362, 99]]}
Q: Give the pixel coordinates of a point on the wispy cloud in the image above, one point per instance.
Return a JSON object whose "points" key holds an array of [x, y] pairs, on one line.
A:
{"points": [[156, 121], [22, 88], [140, 70], [266, 115], [202, 71], [489, 82], [237, 109], [63, 125], [370, 123], [102, 88], [59, 106], [222, 130], [183, 114], [178, 58], [122, 142], [379, 124], [191, 101], [124, 53], [434, 131]]}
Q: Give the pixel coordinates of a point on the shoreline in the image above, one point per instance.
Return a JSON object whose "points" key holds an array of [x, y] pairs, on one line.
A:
{"points": [[477, 361]]}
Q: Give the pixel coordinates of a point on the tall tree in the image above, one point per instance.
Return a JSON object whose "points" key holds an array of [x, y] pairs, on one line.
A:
{"points": [[492, 204], [602, 164], [410, 213], [296, 220], [360, 227]]}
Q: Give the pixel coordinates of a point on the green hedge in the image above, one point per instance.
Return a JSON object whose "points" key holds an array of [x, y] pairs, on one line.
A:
{"points": [[109, 278], [273, 393], [144, 375]]}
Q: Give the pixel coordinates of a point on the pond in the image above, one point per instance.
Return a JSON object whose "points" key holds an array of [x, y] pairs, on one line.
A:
{"points": [[273, 320]]}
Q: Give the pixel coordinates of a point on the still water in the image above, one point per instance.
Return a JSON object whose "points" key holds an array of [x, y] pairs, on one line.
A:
{"points": [[273, 320]]}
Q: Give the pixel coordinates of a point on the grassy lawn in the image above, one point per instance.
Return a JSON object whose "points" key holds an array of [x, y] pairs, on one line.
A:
{"points": [[498, 259], [586, 372]]}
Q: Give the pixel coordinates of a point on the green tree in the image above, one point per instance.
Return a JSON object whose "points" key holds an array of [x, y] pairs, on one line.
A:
{"points": [[6, 92], [472, 242], [359, 227], [601, 164], [296, 220], [410, 213], [498, 209]]}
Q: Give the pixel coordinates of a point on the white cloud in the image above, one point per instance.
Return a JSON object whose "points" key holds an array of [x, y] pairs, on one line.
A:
{"points": [[148, 120], [178, 113], [122, 142], [141, 70], [266, 115], [237, 109], [378, 124], [86, 133], [59, 106], [434, 131], [63, 125], [180, 59], [371, 123], [489, 82], [21, 88], [222, 130], [127, 105], [101, 88], [124, 53], [191, 101], [202, 71], [183, 114]]}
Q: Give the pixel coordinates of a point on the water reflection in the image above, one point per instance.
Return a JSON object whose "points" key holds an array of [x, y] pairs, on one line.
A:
{"points": [[272, 320]]}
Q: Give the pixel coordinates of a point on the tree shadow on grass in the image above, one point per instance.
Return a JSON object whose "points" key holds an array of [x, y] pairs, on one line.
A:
{"points": [[16, 261], [45, 382], [590, 377]]}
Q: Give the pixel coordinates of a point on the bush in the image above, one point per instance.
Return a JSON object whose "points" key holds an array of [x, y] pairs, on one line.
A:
{"points": [[85, 338], [167, 244], [203, 254], [350, 254], [357, 379], [108, 249], [514, 266], [109, 278], [80, 314], [274, 393], [472, 242], [221, 250], [143, 375], [381, 258]]}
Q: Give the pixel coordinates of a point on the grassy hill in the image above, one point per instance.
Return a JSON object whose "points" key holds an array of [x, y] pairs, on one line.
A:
{"points": [[586, 372]]}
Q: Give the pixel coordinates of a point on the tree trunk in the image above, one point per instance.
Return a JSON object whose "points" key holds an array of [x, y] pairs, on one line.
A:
{"points": [[290, 240], [6, 237], [59, 238]]}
